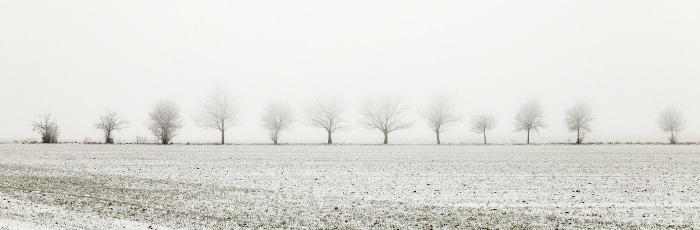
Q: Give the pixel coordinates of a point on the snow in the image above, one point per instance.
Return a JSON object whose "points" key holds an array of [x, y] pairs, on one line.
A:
{"points": [[137, 187]]}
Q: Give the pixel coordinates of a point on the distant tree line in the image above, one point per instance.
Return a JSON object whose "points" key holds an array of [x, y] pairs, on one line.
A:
{"points": [[385, 113]]}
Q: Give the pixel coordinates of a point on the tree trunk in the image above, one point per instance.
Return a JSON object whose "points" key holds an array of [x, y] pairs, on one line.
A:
{"points": [[437, 133], [330, 141], [673, 138], [528, 136], [578, 137], [484, 137], [386, 138], [108, 137], [223, 134], [274, 139]]}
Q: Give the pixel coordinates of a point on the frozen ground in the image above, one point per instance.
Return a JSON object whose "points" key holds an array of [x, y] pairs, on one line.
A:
{"points": [[213, 187]]}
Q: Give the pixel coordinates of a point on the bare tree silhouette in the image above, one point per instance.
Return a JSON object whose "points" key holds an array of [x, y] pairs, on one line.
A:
{"points": [[671, 121], [218, 111], [164, 120], [47, 126], [440, 114], [385, 113], [278, 116], [110, 121], [326, 113], [529, 118], [578, 119], [482, 123]]}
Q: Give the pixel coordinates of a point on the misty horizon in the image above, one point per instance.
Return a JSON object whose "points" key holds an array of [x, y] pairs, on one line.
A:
{"points": [[418, 122]]}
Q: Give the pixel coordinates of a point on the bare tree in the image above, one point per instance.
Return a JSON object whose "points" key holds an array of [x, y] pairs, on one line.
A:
{"points": [[387, 114], [440, 115], [671, 120], [482, 123], [110, 121], [164, 120], [278, 116], [326, 113], [529, 118], [578, 119], [218, 111], [47, 126]]}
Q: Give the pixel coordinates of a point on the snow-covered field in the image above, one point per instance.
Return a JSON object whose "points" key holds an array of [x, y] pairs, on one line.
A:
{"points": [[424, 186]]}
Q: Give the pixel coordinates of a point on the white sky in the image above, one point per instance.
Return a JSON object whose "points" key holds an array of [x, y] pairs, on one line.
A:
{"points": [[627, 59]]}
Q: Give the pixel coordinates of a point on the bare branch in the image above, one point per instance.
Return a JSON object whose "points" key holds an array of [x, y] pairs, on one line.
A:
{"points": [[386, 113], [671, 121], [578, 119], [47, 126], [529, 118], [164, 120], [218, 111], [278, 116], [326, 113], [482, 123], [110, 121], [440, 114]]}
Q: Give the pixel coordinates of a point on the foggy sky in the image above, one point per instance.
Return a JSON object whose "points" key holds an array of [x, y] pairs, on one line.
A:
{"points": [[627, 59]]}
